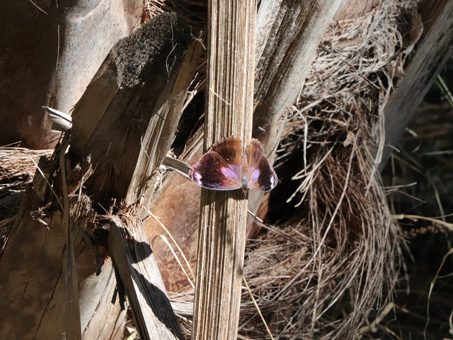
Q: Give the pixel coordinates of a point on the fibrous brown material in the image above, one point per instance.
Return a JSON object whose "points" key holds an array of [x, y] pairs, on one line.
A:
{"points": [[324, 270], [328, 267], [17, 167], [194, 12], [332, 263]]}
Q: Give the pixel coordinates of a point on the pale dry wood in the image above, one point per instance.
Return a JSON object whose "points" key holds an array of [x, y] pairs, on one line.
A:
{"points": [[84, 25], [295, 30], [73, 327], [50, 52], [117, 108], [126, 133], [32, 279], [159, 135], [431, 53], [288, 35], [130, 111], [100, 318], [138, 271], [177, 191], [32, 273], [222, 231]]}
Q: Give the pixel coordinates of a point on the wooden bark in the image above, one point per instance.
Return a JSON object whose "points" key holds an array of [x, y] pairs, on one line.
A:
{"points": [[32, 267], [141, 277], [178, 192], [130, 98], [100, 318], [430, 55], [290, 45], [47, 58], [289, 38], [145, 127], [30, 232], [229, 108], [279, 25], [32, 273], [84, 25]]}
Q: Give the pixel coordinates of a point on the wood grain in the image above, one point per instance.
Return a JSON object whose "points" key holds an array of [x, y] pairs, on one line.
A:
{"points": [[288, 35], [222, 231], [137, 268], [431, 53], [294, 30], [133, 95]]}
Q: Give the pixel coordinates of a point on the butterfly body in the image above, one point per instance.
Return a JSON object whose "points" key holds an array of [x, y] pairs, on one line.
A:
{"points": [[227, 167]]}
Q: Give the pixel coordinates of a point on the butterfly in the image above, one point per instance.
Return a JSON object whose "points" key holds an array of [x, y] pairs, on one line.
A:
{"points": [[226, 167]]}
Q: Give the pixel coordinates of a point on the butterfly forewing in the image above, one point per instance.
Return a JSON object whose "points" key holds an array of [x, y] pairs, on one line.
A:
{"points": [[220, 168], [230, 149], [261, 176]]}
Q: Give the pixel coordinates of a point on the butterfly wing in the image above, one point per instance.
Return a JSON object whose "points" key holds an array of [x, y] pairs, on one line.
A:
{"points": [[261, 176], [230, 149], [220, 168]]}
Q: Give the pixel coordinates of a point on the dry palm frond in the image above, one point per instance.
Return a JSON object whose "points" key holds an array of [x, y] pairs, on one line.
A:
{"points": [[336, 262], [194, 12], [324, 270], [17, 168], [330, 266]]}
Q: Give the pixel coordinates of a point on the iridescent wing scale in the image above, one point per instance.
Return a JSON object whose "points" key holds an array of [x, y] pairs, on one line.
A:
{"points": [[220, 168], [261, 176], [224, 167]]}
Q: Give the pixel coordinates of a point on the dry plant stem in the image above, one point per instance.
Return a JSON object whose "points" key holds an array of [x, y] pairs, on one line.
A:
{"points": [[431, 286], [57, 37], [284, 60], [288, 35], [32, 270], [141, 278], [156, 142], [140, 106], [73, 327], [122, 127], [432, 52], [221, 245], [355, 254], [177, 165], [139, 102]]}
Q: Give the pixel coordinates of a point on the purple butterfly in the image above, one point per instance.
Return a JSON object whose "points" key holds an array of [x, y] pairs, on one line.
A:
{"points": [[226, 167]]}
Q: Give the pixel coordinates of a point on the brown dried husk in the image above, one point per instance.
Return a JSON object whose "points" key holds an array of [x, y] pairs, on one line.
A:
{"points": [[193, 12], [17, 168], [329, 268]]}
